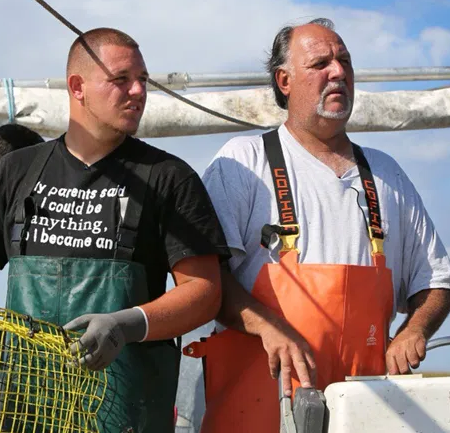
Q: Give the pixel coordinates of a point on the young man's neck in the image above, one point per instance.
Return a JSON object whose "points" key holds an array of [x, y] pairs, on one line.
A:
{"points": [[90, 147]]}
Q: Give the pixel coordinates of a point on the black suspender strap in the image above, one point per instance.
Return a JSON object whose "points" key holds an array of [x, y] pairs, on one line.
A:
{"points": [[138, 175], [130, 207], [26, 206], [376, 233], [288, 230]]}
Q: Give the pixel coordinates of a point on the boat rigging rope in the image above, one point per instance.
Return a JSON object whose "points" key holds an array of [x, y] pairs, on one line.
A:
{"points": [[154, 83]]}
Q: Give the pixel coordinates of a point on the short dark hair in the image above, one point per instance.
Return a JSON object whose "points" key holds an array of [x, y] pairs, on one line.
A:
{"points": [[279, 55], [14, 136], [87, 45]]}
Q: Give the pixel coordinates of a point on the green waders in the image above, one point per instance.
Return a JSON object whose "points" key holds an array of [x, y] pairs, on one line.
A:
{"points": [[142, 382]]}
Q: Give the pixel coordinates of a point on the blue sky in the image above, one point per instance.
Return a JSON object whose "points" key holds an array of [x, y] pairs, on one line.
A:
{"points": [[418, 13], [233, 35]]}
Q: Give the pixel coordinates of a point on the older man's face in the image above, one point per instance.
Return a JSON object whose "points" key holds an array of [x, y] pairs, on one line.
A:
{"points": [[322, 82]]}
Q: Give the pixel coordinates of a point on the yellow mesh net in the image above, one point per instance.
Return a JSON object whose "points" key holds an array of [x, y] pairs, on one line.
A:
{"points": [[42, 389]]}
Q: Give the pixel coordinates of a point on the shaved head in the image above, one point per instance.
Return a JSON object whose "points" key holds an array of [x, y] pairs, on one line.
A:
{"points": [[85, 50]]}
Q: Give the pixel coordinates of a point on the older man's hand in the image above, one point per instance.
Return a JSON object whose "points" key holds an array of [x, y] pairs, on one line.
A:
{"points": [[406, 350], [287, 349]]}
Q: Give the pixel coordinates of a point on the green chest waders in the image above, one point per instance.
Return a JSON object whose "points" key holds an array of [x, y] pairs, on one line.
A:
{"points": [[142, 382]]}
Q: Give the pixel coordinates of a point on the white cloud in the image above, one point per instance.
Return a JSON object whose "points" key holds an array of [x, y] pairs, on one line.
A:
{"points": [[438, 41], [217, 35]]}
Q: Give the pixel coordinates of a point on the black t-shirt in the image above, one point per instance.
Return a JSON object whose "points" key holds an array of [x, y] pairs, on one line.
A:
{"points": [[79, 208]]}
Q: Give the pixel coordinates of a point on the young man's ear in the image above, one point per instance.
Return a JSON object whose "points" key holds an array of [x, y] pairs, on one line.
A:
{"points": [[75, 86]]}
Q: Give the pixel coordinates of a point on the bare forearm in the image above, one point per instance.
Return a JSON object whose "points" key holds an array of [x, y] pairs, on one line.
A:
{"points": [[427, 310], [285, 347], [182, 309], [240, 310], [194, 301]]}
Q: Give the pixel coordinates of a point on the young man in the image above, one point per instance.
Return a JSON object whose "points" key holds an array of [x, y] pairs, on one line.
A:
{"points": [[92, 227], [357, 246]]}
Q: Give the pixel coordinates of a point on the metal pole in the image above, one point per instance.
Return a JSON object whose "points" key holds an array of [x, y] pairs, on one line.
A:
{"points": [[184, 80], [402, 74], [438, 342]]}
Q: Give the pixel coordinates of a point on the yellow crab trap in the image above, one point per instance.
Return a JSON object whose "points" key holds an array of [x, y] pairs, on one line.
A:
{"points": [[42, 389]]}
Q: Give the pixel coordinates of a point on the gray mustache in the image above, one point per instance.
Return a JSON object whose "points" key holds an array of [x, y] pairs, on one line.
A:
{"points": [[331, 87]]}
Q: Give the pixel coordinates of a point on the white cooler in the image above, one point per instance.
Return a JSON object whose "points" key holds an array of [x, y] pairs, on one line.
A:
{"points": [[389, 404]]}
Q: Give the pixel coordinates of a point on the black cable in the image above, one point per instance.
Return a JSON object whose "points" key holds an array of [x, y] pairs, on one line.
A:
{"points": [[159, 86], [59, 17], [205, 109]]}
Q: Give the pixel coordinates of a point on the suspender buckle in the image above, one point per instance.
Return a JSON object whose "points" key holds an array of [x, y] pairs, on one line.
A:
{"points": [[376, 236], [288, 239], [377, 246]]}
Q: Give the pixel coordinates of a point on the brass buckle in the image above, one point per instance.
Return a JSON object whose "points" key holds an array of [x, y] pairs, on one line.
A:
{"points": [[289, 240], [377, 243]]}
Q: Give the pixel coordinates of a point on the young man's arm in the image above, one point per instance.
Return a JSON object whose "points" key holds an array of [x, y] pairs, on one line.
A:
{"points": [[194, 301], [193, 242]]}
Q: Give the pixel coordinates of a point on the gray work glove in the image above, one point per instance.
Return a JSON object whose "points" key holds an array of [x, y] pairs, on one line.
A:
{"points": [[105, 336]]}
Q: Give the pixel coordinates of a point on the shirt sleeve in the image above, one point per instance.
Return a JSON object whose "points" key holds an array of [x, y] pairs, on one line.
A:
{"points": [[227, 186], [189, 223], [426, 264]]}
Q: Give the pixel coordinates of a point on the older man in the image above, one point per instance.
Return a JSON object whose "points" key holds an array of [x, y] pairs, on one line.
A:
{"points": [[347, 241], [92, 223]]}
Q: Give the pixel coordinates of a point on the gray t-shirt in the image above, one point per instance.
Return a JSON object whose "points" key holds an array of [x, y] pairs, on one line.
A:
{"points": [[331, 213]]}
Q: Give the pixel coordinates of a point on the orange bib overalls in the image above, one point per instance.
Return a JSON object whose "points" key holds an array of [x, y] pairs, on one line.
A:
{"points": [[342, 311]]}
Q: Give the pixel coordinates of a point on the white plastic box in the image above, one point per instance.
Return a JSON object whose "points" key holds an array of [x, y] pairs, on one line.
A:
{"points": [[396, 404]]}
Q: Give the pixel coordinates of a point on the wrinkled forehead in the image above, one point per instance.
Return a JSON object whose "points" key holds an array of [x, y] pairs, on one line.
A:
{"points": [[315, 41]]}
